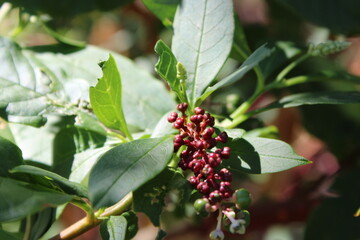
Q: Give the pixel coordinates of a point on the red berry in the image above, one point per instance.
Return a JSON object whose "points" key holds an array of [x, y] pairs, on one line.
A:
{"points": [[203, 125], [225, 175], [215, 196], [207, 133], [199, 144], [178, 139], [182, 107], [172, 118], [193, 181], [223, 137], [207, 170], [225, 153], [214, 162], [198, 110], [203, 188]]}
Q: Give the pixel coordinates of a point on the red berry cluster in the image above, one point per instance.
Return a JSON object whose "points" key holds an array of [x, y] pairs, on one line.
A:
{"points": [[197, 136]]}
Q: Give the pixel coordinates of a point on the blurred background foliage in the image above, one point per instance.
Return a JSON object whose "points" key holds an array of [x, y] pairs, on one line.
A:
{"points": [[316, 201]]}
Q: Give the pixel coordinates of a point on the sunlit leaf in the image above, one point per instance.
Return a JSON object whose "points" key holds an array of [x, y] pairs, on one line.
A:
{"points": [[23, 86], [166, 66], [126, 167], [262, 155], [106, 98], [254, 59], [203, 34]]}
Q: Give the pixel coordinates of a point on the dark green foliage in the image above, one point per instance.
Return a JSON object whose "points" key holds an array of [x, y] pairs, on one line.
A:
{"points": [[126, 167], [67, 8], [10, 156], [334, 218], [340, 16]]}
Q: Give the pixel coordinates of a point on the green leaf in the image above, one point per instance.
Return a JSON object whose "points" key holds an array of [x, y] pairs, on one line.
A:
{"points": [[149, 198], [163, 9], [316, 98], [283, 52], [83, 162], [240, 48], [67, 8], [10, 156], [232, 133], [264, 132], [106, 98], [64, 184], [23, 199], [122, 227], [161, 234], [5, 131], [166, 66], [126, 167], [23, 87], [339, 76], [64, 79], [327, 221], [203, 34], [262, 155], [89, 123], [40, 223], [36, 143], [260, 54], [114, 228], [163, 128], [338, 15], [72, 140], [76, 72], [132, 224], [10, 235]]}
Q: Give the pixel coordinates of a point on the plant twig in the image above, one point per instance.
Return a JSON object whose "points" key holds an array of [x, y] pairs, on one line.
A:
{"points": [[86, 223], [28, 224]]}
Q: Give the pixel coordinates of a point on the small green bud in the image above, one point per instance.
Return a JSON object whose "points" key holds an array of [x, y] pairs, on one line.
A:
{"points": [[181, 71], [242, 198], [327, 48]]}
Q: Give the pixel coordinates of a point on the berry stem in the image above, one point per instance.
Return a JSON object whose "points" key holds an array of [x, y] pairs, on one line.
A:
{"points": [[219, 219], [228, 215], [291, 66]]}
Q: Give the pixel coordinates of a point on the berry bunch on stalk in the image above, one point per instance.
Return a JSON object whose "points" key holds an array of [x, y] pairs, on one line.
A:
{"points": [[200, 155]]}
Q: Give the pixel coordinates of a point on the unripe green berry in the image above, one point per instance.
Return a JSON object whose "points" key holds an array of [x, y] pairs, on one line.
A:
{"points": [[242, 198], [200, 206], [246, 216]]}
